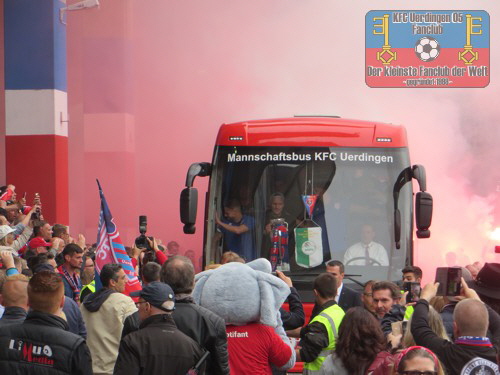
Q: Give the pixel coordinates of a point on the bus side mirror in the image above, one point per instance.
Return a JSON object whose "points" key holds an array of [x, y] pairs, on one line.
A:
{"points": [[423, 214], [397, 228], [418, 172], [188, 208]]}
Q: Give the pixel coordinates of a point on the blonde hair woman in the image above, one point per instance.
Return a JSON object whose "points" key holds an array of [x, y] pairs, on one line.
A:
{"points": [[435, 323]]}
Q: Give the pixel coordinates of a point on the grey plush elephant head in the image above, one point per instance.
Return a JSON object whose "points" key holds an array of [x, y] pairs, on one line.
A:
{"points": [[241, 294]]}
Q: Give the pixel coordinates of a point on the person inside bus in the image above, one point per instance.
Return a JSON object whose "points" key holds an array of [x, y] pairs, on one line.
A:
{"points": [[276, 211], [367, 252], [237, 230]]}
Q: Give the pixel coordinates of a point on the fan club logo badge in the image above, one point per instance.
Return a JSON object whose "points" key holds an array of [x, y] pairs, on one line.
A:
{"points": [[430, 49]]}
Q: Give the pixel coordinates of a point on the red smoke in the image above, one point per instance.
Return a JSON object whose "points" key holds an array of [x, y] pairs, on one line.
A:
{"points": [[183, 68]]}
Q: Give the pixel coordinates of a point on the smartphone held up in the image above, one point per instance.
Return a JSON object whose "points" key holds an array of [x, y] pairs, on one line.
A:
{"points": [[413, 289], [36, 215], [450, 281]]}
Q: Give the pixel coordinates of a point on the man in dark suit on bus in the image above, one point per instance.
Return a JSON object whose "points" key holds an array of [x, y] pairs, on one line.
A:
{"points": [[346, 297]]}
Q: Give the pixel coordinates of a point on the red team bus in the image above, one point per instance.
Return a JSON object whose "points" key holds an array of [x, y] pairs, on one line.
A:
{"points": [[313, 189], [357, 172]]}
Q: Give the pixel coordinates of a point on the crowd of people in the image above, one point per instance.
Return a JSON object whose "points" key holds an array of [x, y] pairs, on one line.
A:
{"points": [[58, 316]]}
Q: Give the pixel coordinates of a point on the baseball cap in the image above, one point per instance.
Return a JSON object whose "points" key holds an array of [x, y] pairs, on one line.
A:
{"points": [[26, 209], [38, 242], [158, 294], [5, 230]]}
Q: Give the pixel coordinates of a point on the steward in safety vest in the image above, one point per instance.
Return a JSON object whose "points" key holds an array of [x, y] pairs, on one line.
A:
{"points": [[88, 276], [319, 336], [87, 289]]}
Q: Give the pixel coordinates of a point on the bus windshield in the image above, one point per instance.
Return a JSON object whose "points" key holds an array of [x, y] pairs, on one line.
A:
{"points": [[303, 206]]}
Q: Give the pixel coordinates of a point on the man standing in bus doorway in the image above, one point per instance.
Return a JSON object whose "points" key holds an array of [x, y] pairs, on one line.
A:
{"points": [[276, 211], [367, 252], [237, 230]]}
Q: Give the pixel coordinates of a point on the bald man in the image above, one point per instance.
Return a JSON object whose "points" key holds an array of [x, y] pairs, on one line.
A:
{"points": [[463, 325], [472, 351], [14, 299]]}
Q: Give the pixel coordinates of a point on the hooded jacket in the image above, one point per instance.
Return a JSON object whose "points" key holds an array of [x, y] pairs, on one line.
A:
{"points": [[104, 313]]}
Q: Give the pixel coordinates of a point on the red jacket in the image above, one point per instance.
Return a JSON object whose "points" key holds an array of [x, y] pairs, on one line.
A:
{"points": [[257, 347], [382, 365]]}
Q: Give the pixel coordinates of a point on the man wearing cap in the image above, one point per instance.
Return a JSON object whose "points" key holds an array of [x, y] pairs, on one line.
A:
{"points": [[40, 243], [8, 240], [18, 219], [158, 347], [487, 285]]}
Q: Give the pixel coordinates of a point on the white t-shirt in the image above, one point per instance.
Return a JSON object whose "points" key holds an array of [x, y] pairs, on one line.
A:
{"points": [[375, 250]]}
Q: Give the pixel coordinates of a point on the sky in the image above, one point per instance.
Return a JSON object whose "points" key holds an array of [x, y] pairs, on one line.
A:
{"points": [[158, 78]]}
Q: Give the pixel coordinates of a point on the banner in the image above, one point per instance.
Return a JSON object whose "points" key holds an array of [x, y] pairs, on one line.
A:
{"points": [[309, 202], [110, 248], [308, 247], [427, 48]]}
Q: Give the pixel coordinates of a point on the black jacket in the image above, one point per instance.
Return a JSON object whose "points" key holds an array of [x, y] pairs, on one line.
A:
{"points": [[349, 298], [202, 325], [42, 345], [447, 317], [395, 314], [455, 357], [13, 315], [158, 347], [314, 337], [294, 318]]}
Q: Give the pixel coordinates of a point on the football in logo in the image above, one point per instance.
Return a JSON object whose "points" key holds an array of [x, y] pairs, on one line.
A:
{"points": [[427, 48], [308, 247]]}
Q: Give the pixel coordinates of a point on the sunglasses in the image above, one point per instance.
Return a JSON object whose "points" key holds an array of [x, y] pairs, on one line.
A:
{"points": [[418, 373]]}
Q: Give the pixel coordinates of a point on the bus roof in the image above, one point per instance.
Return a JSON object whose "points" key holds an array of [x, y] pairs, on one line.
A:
{"points": [[312, 131]]}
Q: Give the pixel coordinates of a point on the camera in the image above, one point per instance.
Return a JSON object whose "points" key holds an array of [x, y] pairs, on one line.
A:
{"points": [[142, 241]]}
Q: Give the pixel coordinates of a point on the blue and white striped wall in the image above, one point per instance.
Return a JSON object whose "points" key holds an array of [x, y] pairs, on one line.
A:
{"points": [[36, 103]]}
